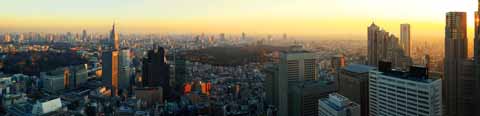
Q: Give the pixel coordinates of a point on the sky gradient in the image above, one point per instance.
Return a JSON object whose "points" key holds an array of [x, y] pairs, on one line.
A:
{"points": [[325, 18]]}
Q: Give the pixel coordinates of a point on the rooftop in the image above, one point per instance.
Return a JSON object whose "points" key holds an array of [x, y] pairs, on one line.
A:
{"points": [[358, 68], [417, 75], [338, 102]]}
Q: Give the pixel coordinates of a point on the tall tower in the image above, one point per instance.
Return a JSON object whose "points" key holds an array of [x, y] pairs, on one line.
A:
{"points": [[405, 38], [110, 64], [459, 82], [372, 44], [477, 54], [114, 38], [476, 41]]}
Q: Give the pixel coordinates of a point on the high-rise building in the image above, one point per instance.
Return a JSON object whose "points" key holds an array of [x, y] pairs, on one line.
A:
{"points": [[291, 82], [460, 81], [114, 42], [372, 44], [110, 70], [124, 71], [477, 38], [156, 72], [110, 63], [180, 71], [383, 46], [413, 93], [275, 89], [244, 36], [298, 65], [353, 84], [303, 96], [337, 105], [7, 38], [405, 38], [84, 35], [477, 55]]}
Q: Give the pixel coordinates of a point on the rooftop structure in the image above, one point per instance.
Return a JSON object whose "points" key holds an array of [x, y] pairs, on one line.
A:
{"points": [[337, 105]]}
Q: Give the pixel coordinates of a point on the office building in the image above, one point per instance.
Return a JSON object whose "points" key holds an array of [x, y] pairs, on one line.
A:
{"points": [[124, 71], [55, 80], [76, 75], [7, 38], [303, 96], [460, 81], [383, 46], [405, 38], [353, 84], [398, 93], [476, 55], [374, 38], [337, 105], [283, 82], [180, 71], [110, 63], [84, 35], [298, 65], [110, 70], [275, 89], [156, 72], [114, 41]]}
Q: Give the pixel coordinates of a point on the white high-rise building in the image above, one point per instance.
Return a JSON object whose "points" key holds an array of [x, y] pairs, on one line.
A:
{"points": [[337, 105], [395, 93], [405, 38]]}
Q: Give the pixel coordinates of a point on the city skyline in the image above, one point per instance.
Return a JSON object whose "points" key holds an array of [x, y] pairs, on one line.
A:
{"points": [[240, 58], [325, 19]]}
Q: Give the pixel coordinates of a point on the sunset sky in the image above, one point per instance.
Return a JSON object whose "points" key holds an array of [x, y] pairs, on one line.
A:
{"points": [[323, 18]]}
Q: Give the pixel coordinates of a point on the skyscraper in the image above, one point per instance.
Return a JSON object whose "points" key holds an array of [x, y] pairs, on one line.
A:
{"points": [[459, 71], [303, 96], [275, 88], [397, 93], [114, 42], [156, 72], [124, 70], [110, 70], [353, 84], [383, 46], [298, 65], [296, 74], [405, 38], [84, 35], [477, 55], [477, 37], [110, 63], [379, 42]]}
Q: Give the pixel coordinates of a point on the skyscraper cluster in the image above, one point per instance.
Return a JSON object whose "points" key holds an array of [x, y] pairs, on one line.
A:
{"points": [[462, 74], [383, 46], [115, 65]]}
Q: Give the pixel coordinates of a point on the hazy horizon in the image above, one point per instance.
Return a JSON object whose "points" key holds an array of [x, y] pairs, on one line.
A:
{"points": [[320, 18]]}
